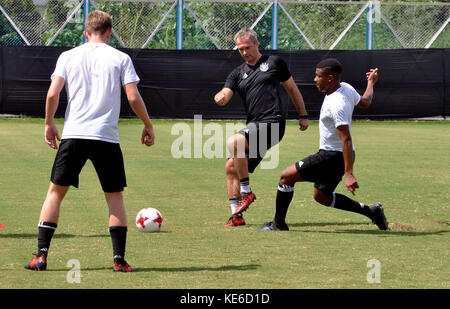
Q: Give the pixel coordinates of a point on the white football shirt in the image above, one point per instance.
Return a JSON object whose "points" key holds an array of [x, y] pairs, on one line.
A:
{"points": [[94, 74], [337, 110]]}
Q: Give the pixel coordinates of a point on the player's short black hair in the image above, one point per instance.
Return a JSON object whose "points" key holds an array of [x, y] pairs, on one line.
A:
{"points": [[330, 65]]}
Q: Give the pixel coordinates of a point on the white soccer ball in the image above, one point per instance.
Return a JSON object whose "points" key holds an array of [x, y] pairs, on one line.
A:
{"points": [[149, 220]]}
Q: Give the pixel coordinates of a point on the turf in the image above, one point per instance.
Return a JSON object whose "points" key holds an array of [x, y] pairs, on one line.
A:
{"points": [[404, 165]]}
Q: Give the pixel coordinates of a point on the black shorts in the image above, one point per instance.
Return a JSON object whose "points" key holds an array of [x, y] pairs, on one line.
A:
{"points": [[261, 136], [106, 157], [325, 169]]}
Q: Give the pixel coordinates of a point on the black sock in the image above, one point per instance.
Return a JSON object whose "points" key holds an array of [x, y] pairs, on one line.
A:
{"points": [[345, 203], [284, 198], [119, 240], [45, 234]]}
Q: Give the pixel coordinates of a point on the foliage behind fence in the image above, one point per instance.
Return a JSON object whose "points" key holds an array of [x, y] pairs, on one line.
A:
{"points": [[211, 24]]}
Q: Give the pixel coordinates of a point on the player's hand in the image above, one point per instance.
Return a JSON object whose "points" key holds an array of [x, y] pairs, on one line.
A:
{"points": [[304, 124], [148, 136], [372, 75], [219, 98], [51, 135], [351, 183]]}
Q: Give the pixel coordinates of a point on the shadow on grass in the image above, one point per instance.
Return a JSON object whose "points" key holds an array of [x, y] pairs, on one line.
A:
{"points": [[35, 235], [307, 224], [174, 269], [199, 268], [382, 233], [312, 224], [392, 232]]}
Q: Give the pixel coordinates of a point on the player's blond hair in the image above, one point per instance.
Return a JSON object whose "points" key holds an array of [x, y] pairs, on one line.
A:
{"points": [[98, 22]]}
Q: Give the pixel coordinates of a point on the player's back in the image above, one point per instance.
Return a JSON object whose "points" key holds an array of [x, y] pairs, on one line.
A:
{"points": [[94, 74]]}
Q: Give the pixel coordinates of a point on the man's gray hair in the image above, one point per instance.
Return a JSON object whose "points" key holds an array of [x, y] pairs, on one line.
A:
{"points": [[246, 33]]}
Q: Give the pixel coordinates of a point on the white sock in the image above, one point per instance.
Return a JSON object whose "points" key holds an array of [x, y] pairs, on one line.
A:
{"points": [[233, 204], [245, 185]]}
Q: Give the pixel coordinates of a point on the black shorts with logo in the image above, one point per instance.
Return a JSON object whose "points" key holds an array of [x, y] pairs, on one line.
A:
{"points": [[324, 168], [261, 136], [106, 157]]}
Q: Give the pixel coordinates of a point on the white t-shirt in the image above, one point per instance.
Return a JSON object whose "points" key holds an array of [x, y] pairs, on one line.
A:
{"points": [[337, 110], [94, 74]]}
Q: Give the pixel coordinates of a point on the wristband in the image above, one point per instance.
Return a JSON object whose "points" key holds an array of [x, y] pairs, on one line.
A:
{"points": [[303, 116]]}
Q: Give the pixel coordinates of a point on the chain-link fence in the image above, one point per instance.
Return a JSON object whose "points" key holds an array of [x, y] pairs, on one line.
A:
{"points": [[211, 24]]}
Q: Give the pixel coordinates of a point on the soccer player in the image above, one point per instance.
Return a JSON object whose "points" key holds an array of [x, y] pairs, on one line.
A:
{"points": [[257, 81], [93, 75], [336, 152]]}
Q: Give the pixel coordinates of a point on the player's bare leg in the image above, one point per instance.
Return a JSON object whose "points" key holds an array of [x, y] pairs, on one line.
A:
{"points": [[233, 190], [48, 220], [52, 204], [238, 146], [118, 230], [232, 179], [117, 213]]}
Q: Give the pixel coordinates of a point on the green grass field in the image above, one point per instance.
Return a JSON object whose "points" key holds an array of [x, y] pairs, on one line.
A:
{"points": [[404, 165]]}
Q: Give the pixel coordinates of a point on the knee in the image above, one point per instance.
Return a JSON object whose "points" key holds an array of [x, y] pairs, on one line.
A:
{"points": [[229, 167], [321, 198], [286, 178], [236, 145], [57, 192]]}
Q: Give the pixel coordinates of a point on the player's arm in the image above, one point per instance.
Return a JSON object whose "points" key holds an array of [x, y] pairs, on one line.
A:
{"points": [[223, 96], [349, 157], [138, 107], [366, 99], [51, 105], [297, 99]]}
